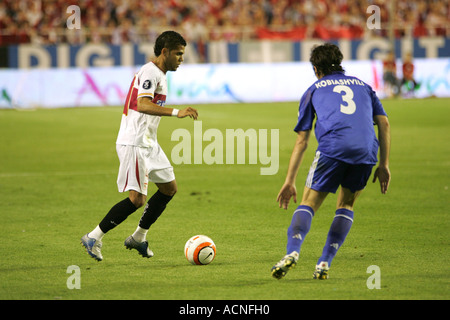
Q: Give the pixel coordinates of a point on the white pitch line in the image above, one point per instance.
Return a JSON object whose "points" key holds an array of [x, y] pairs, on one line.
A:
{"points": [[53, 173]]}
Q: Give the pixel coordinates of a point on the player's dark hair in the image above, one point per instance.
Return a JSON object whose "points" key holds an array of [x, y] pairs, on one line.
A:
{"points": [[170, 40], [326, 58]]}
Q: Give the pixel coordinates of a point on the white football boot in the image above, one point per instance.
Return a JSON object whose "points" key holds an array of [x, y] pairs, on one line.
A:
{"points": [[284, 265], [321, 271], [93, 247]]}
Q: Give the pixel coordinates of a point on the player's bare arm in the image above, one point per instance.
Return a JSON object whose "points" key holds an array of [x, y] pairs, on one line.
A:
{"points": [[145, 105], [382, 172], [288, 190]]}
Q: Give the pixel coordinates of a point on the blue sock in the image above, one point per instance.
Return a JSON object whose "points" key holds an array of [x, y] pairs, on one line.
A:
{"points": [[338, 232], [300, 225]]}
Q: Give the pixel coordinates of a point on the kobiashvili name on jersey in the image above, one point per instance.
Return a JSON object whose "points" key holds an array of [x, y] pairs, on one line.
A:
{"points": [[331, 82]]}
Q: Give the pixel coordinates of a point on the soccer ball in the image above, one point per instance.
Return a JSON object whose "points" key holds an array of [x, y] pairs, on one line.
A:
{"points": [[200, 249]]}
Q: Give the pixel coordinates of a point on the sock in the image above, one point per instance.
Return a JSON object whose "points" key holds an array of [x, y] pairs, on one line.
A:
{"points": [[117, 215], [300, 225], [97, 233], [155, 206], [339, 229], [140, 234]]}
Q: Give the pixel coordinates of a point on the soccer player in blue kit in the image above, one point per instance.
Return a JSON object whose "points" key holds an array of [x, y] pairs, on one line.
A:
{"points": [[346, 109]]}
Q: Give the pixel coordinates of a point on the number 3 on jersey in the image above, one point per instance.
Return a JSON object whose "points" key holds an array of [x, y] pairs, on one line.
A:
{"points": [[347, 96]]}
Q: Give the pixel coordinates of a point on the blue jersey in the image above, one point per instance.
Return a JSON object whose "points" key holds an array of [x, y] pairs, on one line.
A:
{"points": [[344, 107]]}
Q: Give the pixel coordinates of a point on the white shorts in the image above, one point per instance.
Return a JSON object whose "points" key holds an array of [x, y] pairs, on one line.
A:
{"points": [[138, 166]]}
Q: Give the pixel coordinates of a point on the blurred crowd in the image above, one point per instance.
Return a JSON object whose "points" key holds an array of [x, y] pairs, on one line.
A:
{"points": [[124, 21]]}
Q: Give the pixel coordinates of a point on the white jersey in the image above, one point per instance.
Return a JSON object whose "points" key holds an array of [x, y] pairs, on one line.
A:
{"points": [[136, 128]]}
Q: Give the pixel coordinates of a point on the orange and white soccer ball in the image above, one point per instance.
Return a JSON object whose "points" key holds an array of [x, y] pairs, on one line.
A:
{"points": [[200, 250]]}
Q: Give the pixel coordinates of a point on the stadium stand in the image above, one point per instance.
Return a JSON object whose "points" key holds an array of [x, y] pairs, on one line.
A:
{"points": [[122, 21]]}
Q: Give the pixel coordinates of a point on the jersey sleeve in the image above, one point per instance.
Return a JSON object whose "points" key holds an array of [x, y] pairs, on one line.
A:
{"points": [[378, 109], [147, 83], [305, 112]]}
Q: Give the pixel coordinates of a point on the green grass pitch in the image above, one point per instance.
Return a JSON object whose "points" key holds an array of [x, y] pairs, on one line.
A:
{"points": [[58, 179]]}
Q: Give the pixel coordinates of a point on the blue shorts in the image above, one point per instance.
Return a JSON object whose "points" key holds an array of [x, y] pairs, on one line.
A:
{"points": [[327, 174]]}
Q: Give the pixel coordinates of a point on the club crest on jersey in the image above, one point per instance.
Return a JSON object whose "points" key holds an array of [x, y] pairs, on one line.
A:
{"points": [[147, 84]]}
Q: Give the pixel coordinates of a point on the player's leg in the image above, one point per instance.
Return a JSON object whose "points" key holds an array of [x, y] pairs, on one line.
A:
{"points": [[302, 217], [167, 187], [157, 204], [298, 229], [339, 230], [352, 186], [129, 179], [116, 215], [132, 177], [323, 177]]}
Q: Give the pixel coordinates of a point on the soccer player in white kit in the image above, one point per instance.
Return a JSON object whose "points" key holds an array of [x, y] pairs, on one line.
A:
{"points": [[141, 158]]}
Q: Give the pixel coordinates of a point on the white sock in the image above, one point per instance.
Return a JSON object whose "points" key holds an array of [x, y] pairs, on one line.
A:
{"points": [[97, 233], [140, 234]]}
